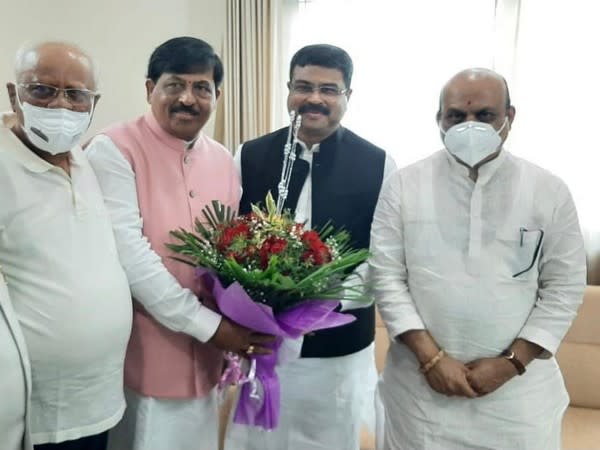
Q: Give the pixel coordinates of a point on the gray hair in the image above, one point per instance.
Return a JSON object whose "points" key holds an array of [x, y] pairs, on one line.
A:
{"points": [[27, 57]]}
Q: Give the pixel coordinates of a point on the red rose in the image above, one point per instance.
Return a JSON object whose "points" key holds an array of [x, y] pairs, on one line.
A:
{"points": [[323, 255], [317, 257], [271, 246], [310, 236], [231, 233], [318, 253]]}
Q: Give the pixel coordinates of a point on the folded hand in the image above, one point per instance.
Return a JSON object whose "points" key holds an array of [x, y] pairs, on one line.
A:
{"points": [[488, 374], [449, 377]]}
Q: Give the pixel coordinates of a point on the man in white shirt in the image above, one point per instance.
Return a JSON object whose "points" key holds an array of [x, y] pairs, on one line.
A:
{"points": [[15, 378], [58, 253], [479, 268]]}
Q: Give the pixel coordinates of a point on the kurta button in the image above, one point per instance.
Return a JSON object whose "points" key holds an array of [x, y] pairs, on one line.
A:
{"points": [[192, 194], [186, 159]]}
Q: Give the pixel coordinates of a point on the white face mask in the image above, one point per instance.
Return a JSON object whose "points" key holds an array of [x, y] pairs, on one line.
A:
{"points": [[472, 142], [54, 130]]}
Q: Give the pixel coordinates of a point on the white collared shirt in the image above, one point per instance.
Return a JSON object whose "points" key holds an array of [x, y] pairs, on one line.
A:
{"points": [[304, 207], [68, 289]]}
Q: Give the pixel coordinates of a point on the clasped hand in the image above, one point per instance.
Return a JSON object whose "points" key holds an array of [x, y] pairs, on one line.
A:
{"points": [[475, 379]]}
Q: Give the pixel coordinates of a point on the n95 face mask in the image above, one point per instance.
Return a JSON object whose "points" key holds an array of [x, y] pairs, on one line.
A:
{"points": [[472, 142]]}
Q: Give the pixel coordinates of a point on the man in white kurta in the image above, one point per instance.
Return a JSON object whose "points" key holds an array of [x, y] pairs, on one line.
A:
{"points": [[483, 259], [15, 377]]}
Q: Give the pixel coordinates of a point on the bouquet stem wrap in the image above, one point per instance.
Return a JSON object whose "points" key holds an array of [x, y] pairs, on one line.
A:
{"points": [[259, 399]]}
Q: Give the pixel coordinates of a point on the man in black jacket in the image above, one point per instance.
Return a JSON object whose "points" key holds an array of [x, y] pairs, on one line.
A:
{"points": [[337, 179]]}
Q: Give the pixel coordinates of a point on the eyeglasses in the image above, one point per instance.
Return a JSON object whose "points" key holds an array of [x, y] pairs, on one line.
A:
{"points": [[324, 90], [199, 90], [43, 93]]}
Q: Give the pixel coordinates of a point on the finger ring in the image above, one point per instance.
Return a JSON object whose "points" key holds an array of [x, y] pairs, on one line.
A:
{"points": [[250, 350]]}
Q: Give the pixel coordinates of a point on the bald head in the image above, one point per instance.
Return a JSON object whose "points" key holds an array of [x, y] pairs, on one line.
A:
{"points": [[473, 75], [51, 57]]}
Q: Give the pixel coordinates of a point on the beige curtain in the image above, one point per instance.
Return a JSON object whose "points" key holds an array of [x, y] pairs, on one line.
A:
{"points": [[506, 35], [246, 107]]}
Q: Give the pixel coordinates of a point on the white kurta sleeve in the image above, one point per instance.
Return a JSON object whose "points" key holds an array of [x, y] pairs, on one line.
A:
{"points": [[562, 277], [151, 283], [237, 160], [360, 274], [388, 273]]}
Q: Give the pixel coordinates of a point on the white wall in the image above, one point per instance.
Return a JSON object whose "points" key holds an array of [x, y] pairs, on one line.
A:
{"points": [[119, 34]]}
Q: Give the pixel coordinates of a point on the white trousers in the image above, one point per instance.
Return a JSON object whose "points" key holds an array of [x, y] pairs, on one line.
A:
{"points": [[164, 424], [322, 406]]}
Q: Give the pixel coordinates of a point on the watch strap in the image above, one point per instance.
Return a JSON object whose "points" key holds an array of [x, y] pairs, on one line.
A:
{"points": [[510, 356]]}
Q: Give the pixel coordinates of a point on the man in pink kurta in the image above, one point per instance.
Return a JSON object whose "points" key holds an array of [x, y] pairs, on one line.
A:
{"points": [[157, 173]]}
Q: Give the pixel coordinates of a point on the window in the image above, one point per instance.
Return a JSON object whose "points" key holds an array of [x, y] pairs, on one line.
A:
{"points": [[403, 52]]}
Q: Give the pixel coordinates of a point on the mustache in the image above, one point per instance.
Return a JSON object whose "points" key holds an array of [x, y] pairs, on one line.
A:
{"points": [[185, 109], [316, 108]]}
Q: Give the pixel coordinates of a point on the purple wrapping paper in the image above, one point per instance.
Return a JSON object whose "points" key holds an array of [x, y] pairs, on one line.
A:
{"points": [[233, 302]]}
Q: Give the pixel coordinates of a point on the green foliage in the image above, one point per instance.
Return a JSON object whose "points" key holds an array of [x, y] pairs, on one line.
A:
{"points": [[276, 260]]}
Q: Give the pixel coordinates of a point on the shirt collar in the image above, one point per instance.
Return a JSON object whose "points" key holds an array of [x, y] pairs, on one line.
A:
{"points": [[333, 137], [487, 171], [314, 149], [76, 157], [168, 139]]}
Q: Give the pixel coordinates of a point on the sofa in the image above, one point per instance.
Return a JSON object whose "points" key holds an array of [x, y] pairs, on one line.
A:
{"points": [[579, 360]]}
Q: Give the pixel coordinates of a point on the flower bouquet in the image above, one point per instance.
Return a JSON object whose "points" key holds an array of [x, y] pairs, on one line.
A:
{"points": [[272, 275]]}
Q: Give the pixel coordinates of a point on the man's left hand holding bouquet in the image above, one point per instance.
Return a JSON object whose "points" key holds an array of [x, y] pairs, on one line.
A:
{"points": [[231, 337]]}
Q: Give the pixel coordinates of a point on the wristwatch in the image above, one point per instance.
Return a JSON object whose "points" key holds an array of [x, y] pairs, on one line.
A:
{"points": [[510, 356]]}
